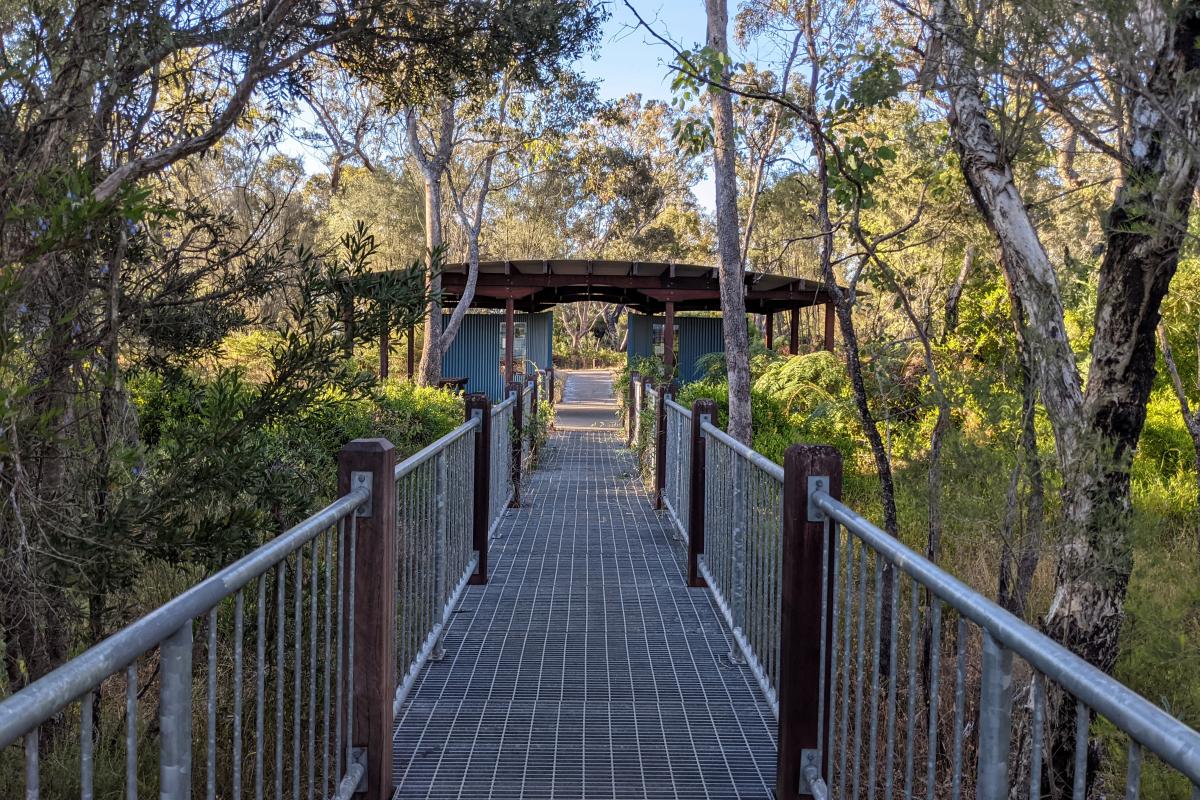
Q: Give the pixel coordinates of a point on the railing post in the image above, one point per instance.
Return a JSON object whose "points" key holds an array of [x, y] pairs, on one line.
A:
{"points": [[660, 445], [702, 411], [805, 607], [372, 463], [518, 436], [635, 385], [175, 715], [550, 386], [533, 403], [478, 405], [995, 720]]}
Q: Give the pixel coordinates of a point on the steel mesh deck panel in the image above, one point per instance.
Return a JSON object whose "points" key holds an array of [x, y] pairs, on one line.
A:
{"points": [[585, 668]]}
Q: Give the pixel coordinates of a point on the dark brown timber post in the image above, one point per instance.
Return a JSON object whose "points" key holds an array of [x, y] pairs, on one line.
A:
{"points": [[806, 469], [635, 379], [702, 411], [533, 400], [660, 444], [829, 327], [517, 436], [770, 330], [669, 341], [478, 405], [794, 338], [509, 327], [371, 463], [550, 387]]}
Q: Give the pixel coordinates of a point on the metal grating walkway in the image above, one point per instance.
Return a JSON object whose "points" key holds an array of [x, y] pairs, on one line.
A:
{"points": [[585, 668]]}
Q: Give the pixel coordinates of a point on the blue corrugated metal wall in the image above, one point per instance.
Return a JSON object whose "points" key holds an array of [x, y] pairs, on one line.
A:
{"points": [[477, 350], [698, 336]]}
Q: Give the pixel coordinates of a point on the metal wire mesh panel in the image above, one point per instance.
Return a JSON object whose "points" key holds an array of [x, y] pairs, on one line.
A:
{"points": [[677, 484], [434, 501], [238, 686], [743, 528]]}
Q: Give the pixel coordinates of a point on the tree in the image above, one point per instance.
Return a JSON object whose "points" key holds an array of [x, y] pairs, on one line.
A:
{"points": [[731, 273], [1151, 55]]}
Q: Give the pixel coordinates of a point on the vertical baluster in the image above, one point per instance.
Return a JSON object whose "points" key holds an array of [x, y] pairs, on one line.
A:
{"points": [[313, 591], [1133, 772], [340, 678], [175, 715], [260, 687], [860, 665], [87, 765], [131, 732], [995, 720], [33, 772], [893, 690], [846, 691], [1035, 747], [935, 660], [960, 699], [327, 665], [210, 750], [873, 758], [239, 612], [280, 621], [832, 544], [914, 619], [1082, 718]]}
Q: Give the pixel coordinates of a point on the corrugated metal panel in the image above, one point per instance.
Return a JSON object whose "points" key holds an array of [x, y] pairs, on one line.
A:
{"points": [[477, 350], [698, 336]]}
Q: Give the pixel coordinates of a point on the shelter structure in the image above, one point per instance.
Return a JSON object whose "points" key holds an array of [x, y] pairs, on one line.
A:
{"points": [[655, 291]]}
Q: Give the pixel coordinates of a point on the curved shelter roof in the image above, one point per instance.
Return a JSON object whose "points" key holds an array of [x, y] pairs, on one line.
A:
{"points": [[645, 286]]}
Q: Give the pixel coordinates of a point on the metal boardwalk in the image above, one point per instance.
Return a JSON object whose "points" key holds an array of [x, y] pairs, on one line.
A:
{"points": [[585, 668]]}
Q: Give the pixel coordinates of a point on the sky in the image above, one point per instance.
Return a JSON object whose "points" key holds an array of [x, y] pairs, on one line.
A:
{"points": [[629, 59]]}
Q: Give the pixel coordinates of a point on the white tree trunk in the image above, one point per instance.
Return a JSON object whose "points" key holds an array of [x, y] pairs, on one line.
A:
{"points": [[732, 277]]}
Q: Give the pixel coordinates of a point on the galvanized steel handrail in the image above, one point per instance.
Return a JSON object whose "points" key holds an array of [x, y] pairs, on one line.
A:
{"points": [[169, 628], [1145, 723]]}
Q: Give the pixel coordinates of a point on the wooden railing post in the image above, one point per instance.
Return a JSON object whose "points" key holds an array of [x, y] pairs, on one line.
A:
{"points": [[478, 405], [635, 380], [372, 463], [517, 436], [802, 735], [702, 411], [660, 445], [550, 387]]}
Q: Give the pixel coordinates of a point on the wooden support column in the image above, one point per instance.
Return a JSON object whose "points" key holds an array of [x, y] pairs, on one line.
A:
{"points": [[509, 325], [635, 385], [770, 330], [478, 405], [805, 467], [702, 411], [372, 463], [829, 317], [669, 341], [794, 342], [412, 350]]}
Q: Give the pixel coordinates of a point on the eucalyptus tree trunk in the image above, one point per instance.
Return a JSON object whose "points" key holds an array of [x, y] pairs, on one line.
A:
{"points": [[433, 167], [732, 277], [1095, 430]]}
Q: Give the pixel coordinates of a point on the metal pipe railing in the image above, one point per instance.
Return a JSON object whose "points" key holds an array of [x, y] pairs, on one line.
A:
{"points": [[313, 562], [503, 415], [678, 422], [864, 649]]}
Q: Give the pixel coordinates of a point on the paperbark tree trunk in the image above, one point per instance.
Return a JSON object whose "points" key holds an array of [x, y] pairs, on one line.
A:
{"points": [[1095, 430], [732, 278]]}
